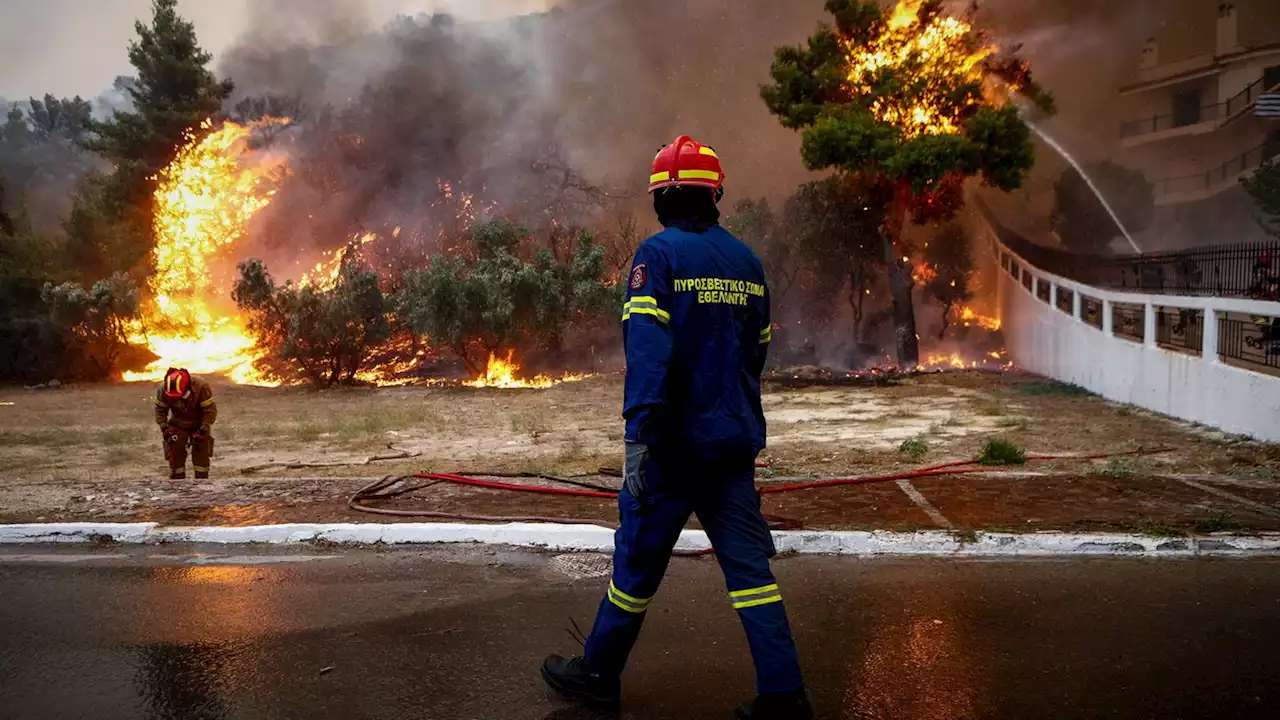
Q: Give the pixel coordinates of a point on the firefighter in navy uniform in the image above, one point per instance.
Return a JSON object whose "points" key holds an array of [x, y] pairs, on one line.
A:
{"points": [[696, 329], [185, 412]]}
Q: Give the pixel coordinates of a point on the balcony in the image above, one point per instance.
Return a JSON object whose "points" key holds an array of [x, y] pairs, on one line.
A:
{"points": [[1169, 125], [1201, 65], [1201, 186], [1209, 119]]}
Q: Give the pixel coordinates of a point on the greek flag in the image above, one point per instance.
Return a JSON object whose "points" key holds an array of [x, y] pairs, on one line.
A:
{"points": [[1268, 105]]}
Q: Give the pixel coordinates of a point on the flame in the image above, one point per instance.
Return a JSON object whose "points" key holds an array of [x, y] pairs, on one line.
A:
{"points": [[954, 360], [996, 359], [923, 274], [395, 364], [504, 373], [969, 318], [926, 50], [391, 374], [204, 200], [324, 275]]}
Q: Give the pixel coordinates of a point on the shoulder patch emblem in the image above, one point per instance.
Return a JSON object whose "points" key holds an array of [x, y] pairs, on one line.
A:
{"points": [[639, 275]]}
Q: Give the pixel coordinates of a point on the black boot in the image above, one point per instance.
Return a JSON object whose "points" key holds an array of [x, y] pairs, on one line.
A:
{"points": [[202, 475], [777, 706], [573, 679], [178, 475]]}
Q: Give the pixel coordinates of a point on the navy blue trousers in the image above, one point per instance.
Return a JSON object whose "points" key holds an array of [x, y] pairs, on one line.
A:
{"points": [[724, 497]]}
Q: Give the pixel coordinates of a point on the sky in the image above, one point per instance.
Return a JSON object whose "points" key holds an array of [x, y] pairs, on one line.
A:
{"points": [[1082, 50], [77, 47]]}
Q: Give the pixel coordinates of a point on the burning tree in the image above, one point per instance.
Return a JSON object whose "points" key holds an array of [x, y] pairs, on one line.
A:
{"points": [[204, 201], [949, 274], [321, 335], [488, 299], [911, 101], [175, 92]]}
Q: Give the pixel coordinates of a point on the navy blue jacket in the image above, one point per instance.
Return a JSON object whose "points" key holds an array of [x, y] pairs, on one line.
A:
{"points": [[696, 329]]}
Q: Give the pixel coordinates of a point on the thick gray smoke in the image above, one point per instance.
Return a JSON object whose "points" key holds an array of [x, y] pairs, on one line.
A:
{"points": [[530, 114], [595, 87]]}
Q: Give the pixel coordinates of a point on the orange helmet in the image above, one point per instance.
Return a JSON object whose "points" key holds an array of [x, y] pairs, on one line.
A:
{"points": [[177, 382], [686, 162]]}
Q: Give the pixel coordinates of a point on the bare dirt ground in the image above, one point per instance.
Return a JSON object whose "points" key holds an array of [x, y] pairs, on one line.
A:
{"points": [[93, 453]]}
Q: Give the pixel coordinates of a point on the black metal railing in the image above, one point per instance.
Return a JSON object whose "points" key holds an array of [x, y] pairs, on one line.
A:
{"points": [[1129, 321], [1223, 175], [1244, 340], [1171, 121], [1066, 301], [1244, 270], [1180, 329], [1249, 340], [1235, 105], [1245, 99]]}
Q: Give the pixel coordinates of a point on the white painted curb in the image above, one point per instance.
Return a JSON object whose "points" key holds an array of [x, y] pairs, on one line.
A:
{"points": [[76, 532], [593, 538]]}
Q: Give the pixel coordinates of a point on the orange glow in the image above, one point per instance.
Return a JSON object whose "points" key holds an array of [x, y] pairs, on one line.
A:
{"points": [[926, 52], [323, 276], [923, 274], [969, 318], [400, 371], [953, 360], [505, 373], [995, 360], [204, 200]]}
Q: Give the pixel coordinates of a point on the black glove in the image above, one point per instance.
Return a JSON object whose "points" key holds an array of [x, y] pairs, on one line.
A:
{"points": [[200, 435], [633, 474]]}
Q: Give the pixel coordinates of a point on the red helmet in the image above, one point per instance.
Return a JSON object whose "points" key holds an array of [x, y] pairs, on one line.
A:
{"points": [[177, 382], [686, 162]]}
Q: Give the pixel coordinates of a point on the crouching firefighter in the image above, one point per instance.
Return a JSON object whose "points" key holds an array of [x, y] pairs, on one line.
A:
{"points": [[185, 412], [696, 330]]}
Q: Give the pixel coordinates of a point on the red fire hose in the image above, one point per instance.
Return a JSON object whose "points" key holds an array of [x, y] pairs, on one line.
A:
{"points": [[386, 489]]}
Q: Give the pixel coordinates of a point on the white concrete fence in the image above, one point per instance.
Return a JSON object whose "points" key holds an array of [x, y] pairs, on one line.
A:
{"points": [[1049, 333]]}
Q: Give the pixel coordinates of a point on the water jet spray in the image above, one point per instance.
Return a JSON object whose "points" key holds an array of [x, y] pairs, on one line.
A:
{"points": [[1092, 186]]}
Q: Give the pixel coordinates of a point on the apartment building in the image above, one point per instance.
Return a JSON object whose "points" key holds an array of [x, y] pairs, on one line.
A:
{"points": [[1193, 125]]}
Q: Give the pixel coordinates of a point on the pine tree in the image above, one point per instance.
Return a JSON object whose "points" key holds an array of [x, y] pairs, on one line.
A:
{"points": [[911, 102], [174, 92]]}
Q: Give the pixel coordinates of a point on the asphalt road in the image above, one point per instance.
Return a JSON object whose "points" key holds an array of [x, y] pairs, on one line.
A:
{"points": [[458, 633]]}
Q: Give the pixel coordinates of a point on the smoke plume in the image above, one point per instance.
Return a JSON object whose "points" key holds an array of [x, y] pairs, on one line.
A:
{"points": [[558, 114]]}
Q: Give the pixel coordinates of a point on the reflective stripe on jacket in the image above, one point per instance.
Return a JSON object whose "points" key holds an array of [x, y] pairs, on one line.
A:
{"points": [[696, 329]]}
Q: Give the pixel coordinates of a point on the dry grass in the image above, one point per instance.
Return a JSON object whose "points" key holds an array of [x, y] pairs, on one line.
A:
{"points": [[92, 431]]}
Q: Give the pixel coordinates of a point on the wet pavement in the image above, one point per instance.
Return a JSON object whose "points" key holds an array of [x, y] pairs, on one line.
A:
{"points": [[210, 633]]}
